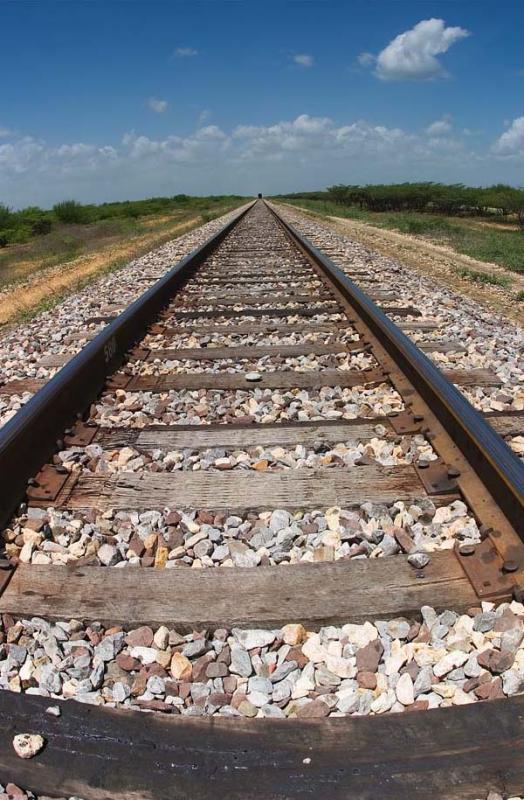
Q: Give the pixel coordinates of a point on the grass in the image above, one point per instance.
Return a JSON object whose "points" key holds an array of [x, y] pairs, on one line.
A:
{"points": [[484, 277], [520, 297], [67, 241], [484, 243], [50, 270]]}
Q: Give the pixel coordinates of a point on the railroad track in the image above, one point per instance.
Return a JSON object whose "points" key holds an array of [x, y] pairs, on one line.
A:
{"points": [[321, 528]]}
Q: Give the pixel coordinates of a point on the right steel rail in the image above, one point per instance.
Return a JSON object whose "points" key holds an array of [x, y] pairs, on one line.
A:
{"points": [[499, 468]]}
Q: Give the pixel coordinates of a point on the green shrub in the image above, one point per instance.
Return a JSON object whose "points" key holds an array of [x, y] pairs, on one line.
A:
{"points": [[6, 216], [131, 210], [425, 197], [19, 235], [41, 226], [69, 211]]}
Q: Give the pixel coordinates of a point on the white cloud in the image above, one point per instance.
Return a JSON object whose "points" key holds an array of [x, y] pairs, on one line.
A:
{"points": [[204, 114], [158, 106], [203, 145], [304, 152], [303, 60], [512, 141], [366, 59], [185, 52], [4, 132], [412, 55], [440, 126]]}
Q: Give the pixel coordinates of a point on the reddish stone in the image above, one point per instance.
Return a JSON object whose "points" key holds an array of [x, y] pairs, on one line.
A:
{"points": [[507, 621], [484, 658], [155, 705], [225, 655], [127, 662], [413, 631], [176, 639], [412, 668], [418, 705], [156, 669], [206, 517], [113, 630], [78, 652], [141, 637], [147, 561], [219, 699], [296, 654], [184, 689], [368, 657], [137, 546], [472, 612], [175, 538], [496, 661], [93, 636], [138, 686], [490, 691], [315, 709], [471, 684], [216, 669], [173, 688], [237, 698], [367, 680], [404, 540], [423, 636], [230, 684], [14, 791], [309, 528], [34, 524], [200, 666]]}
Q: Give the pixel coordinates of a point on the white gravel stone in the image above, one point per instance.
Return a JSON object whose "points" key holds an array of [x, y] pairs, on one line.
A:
{"points": [[28, 745]]}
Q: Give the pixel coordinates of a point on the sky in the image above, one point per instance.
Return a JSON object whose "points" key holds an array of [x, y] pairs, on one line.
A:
{"points": [[126, 99]]}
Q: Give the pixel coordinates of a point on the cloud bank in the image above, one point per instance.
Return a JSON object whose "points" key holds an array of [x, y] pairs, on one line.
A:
{"points": [[305, 152], [511, 143]]}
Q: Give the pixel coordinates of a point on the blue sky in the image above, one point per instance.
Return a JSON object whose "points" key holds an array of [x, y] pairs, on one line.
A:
{"points": [[115, 100]]}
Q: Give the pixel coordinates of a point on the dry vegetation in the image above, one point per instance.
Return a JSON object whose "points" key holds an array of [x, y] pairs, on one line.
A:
{"points": [[499, 289], [37, 273]]}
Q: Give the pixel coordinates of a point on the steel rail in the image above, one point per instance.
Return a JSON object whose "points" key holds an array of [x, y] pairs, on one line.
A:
{"points": [[29, 439], [501, 471]]}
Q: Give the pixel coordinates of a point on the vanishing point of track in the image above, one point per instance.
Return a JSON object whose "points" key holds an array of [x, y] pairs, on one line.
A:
{"points": [[258, 281]]}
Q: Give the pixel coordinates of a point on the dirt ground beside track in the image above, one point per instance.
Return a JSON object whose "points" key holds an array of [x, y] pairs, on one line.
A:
{"points": [[437, 261], [43, 285]]}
